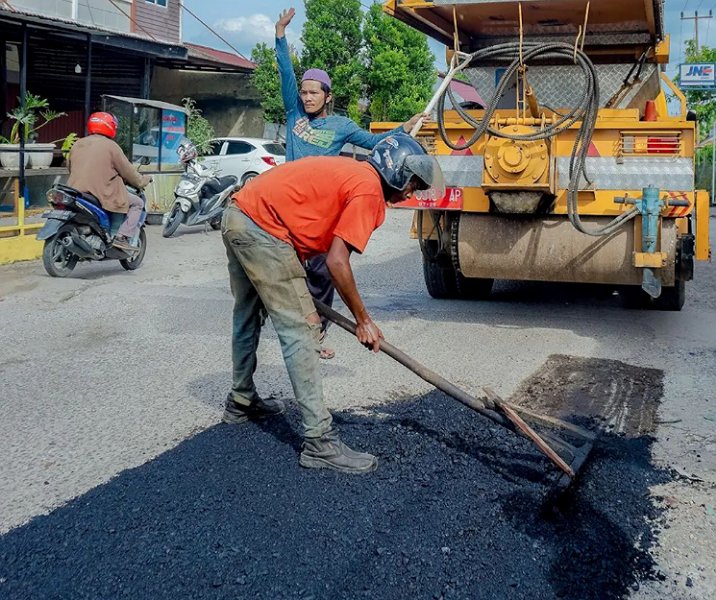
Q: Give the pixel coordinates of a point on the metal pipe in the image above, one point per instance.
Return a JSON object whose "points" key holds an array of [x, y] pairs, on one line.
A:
{"points": [[88, 81], [532, 101], [23, 101]]}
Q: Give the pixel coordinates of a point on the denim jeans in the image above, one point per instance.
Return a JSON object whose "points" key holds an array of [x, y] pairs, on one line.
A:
{"points": [[265, 273], [130, 226]]}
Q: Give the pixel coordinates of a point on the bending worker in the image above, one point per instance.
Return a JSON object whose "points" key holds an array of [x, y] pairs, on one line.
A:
{"points": [[272, 226], [311, 131]]}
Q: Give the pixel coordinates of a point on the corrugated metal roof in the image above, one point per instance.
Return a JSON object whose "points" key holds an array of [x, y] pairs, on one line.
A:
{"points": [[219, 56]]}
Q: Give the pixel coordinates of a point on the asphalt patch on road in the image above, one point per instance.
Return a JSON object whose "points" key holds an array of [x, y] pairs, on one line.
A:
{"points": [[456, 510]]}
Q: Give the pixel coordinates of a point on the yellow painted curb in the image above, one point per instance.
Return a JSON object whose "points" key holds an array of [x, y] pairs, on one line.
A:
{"points": [[21, 247]]}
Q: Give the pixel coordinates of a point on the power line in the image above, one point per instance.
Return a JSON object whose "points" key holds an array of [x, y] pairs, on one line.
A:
{"points": [[696, 18], [129, 16], [184, 6]]}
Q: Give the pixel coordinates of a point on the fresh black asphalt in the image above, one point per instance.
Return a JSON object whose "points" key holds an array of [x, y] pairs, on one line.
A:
{"points": [[456, 510]]}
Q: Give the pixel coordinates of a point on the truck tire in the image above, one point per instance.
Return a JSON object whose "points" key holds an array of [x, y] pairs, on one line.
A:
{"points": [[439, 274], [671, 299], [444, 282], [467, 288]]}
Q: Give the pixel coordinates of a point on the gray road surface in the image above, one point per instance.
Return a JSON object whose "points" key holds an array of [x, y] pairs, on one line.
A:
{"points": [[107, 370]]}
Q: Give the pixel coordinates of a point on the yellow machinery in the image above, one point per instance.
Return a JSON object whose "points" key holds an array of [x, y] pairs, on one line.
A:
{"points": [[574, 170]]}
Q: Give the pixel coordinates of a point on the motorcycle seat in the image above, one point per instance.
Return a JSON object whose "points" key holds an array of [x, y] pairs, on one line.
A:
{"points": [[216, 185], [84, 195], [227, 180]]}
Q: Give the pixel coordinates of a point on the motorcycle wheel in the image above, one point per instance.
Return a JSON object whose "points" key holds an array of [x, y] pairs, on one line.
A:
{"points": [[215, 223], [57, 260], [248, 177], [131, 264], [176, 218]]}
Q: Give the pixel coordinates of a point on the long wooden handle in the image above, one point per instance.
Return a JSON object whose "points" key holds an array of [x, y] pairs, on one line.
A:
{"points": [[419, 369]]}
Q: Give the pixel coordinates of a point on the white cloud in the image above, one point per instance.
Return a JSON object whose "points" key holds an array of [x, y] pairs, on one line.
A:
{"points": [[253, 29]]}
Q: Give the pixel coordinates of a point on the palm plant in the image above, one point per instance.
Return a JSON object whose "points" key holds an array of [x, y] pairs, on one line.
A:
{"points": [[34, 109]]}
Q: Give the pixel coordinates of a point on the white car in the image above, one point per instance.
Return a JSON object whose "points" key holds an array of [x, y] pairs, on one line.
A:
{"points": [[244, 157]]}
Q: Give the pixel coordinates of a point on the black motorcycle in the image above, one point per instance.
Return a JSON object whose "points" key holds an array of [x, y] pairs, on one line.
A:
{"points": [[79, 229]]}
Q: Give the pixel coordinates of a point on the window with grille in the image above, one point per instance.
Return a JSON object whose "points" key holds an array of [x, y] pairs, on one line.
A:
{"points": [[158, 2]]}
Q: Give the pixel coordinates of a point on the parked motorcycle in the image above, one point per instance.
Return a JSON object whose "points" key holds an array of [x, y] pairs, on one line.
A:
{"points": [[200, 196], [79, 229]]}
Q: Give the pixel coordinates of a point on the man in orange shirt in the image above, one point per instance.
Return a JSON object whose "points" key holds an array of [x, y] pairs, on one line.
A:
{"points": [[273, 225]]}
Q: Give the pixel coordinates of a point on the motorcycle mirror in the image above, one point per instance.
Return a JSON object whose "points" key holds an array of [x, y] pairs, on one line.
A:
{"points": [[145, 160]]}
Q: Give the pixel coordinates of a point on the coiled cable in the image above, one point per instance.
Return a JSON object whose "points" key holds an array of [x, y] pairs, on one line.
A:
{"points": [[586, 111]]}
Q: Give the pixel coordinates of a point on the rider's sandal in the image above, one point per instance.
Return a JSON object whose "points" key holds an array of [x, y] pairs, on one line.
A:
{"points": [[326, 353]]}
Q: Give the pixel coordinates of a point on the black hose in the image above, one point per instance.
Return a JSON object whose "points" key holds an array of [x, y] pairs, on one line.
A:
{"points": [[586, 111]]}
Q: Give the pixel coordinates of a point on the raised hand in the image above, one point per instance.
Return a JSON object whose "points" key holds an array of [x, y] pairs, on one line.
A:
{"points": [[284, 20]]}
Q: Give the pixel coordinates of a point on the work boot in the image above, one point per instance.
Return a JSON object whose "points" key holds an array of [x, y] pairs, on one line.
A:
{"points": [[258, 409], [328, 452], [122, 242]]}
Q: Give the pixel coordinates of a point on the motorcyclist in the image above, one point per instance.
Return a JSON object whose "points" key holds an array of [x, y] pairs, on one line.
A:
{"points": [[99, 167]]}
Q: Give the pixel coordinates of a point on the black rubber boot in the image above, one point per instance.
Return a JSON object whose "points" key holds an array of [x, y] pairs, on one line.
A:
{"points": [[263, 407], [328, 452]]}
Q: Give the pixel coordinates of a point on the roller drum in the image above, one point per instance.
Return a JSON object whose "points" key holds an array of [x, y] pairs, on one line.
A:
{"points": [[550, 249]]}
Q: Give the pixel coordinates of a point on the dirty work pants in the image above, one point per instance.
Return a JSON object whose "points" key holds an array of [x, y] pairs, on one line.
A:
{"points": [[130, 227], [320, 283], [265, 273]]}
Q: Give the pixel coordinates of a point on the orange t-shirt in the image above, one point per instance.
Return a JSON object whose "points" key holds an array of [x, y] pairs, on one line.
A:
{"points": [[309, 201]]}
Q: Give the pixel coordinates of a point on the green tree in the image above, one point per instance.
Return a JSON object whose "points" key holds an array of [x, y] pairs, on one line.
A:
{"points": [[399, 70], [266, 80], [198, 129], [332, 41], [703, 104]]}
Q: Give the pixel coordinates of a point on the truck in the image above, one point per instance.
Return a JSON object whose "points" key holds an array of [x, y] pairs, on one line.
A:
{"points": [[578, 168]]}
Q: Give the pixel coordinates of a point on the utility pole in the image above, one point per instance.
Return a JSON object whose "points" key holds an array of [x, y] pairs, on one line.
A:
{"points": [[713, 164], [696, 18]]}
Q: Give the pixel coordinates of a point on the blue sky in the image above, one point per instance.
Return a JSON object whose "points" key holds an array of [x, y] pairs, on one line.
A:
{"points": [[246, 22]]}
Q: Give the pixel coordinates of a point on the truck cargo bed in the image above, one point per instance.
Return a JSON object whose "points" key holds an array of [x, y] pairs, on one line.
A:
{"points": [[624, 25]]}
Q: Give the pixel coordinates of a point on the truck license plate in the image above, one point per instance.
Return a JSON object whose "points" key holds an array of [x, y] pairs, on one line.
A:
{"points": [[428, 200]]}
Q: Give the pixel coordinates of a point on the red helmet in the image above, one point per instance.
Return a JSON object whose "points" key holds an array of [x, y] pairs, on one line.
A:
{"points": [[103, 123]]}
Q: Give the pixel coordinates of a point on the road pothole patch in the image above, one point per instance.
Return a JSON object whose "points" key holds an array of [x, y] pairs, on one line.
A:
{"points": [[455, 511]]}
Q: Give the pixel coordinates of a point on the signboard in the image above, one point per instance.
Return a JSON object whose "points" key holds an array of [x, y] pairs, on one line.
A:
{"points": [[697, 76], [428, 200]]}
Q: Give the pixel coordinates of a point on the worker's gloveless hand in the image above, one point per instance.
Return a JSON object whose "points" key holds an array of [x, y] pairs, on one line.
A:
{"points": [[413, 121], [369, 335], [284, 20]]}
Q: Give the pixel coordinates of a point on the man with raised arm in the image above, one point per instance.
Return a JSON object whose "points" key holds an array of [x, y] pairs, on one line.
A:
{"points": [[311, 131]]}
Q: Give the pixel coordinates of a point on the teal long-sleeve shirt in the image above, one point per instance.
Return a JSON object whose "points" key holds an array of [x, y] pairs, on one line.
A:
{"points": [[306, 136]]}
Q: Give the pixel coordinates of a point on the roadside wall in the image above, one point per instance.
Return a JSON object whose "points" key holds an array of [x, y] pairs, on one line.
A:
{"points": [[227, 100]]}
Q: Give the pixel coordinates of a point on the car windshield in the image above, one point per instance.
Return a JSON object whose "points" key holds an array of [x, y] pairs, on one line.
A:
{"points": [[275, 148]]}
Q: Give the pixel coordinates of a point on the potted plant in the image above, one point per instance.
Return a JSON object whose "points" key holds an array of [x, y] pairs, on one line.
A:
{"points": [[34, 115]]}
